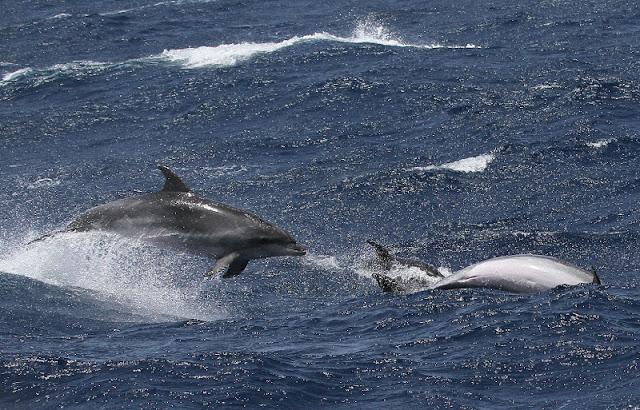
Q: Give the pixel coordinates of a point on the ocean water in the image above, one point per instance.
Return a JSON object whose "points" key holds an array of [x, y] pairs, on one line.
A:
{"points": [[451, 131]]}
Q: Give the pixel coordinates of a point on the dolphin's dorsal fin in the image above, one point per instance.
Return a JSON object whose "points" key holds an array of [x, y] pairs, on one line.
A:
{"points": [[384, 254], [173, 183], [596, 278]]}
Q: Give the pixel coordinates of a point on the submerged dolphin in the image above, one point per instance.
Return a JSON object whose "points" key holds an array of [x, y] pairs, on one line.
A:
{"points": [[386, 261], [517, 273], [176, 217]]}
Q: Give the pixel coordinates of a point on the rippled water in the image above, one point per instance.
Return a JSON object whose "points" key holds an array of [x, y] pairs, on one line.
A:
{"points": [[452, 132]]}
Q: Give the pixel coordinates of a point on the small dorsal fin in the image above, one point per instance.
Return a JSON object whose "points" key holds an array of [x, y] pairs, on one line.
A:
{"points": [[383, 253], [596, 278], [173, 183]]}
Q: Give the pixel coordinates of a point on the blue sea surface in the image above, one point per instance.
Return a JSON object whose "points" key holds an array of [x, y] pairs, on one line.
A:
{"points": [[451, 131]]}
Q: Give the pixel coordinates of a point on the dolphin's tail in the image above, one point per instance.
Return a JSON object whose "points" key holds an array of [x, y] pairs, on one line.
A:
{"points": [[387, 284], [596, 278]]}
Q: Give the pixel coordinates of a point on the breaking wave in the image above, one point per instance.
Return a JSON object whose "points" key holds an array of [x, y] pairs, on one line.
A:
{"points": [[600, 143], [60, 16], [367, 31], [75, 69], [15, 74], [472, 164]]}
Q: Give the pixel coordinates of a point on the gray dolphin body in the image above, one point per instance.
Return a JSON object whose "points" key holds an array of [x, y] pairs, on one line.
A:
{"points": [[387, 261], [176, 217], [516, 273]]}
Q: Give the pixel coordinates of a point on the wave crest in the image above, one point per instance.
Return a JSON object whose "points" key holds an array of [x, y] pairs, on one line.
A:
{"points": [[75, 69], [478, 163], [367, 31]]}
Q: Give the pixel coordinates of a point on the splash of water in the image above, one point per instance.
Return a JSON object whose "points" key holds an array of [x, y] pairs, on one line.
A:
{"points": [[124, 271], [600, 143]]}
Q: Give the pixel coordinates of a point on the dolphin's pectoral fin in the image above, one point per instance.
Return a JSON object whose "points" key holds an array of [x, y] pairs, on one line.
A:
{"points": [[387, 284], [236, 267], [172, 183], [384, 254], [222, 264], [231, 264]]}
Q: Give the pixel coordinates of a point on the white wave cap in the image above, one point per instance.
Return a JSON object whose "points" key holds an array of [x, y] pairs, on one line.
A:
{"points": [[60, 16], [367, 31], [15, 74], [600, 143], [74, 69], [472, 164]]}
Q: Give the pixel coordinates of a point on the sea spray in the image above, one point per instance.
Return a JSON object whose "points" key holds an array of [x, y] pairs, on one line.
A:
{"points": [[126, 271]]}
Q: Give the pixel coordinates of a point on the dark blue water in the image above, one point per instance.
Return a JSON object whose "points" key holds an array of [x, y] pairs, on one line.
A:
{"points": [[454, 131]]}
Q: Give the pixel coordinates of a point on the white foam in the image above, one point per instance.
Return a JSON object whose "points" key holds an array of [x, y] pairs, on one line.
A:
{"points": [[224, 170], [600, 143], [158, 4], [526, 234], [43, 183], [60, 16], [367, 31], [125, 271], [411, 272], [326, 262], [15, 74], [472, 164], [44, 75], [541, 87], [412, 278], [122, 11]]}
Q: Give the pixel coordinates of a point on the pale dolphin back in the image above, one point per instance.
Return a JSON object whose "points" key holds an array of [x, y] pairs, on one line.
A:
{"points": [[518, 273]]}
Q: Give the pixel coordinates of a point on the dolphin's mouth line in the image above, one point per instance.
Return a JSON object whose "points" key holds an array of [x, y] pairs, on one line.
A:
{"points": [[298, 249]]}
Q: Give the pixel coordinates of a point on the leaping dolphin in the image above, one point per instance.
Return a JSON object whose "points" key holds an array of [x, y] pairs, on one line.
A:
{"points": [[516, 273], [178, 218]]}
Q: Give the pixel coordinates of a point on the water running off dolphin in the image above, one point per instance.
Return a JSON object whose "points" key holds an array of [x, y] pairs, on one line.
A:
{"points": [[516, 273], [178, 218]]}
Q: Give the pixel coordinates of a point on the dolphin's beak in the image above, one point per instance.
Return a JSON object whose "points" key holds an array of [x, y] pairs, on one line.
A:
{"points": [[296, 250]]}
